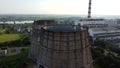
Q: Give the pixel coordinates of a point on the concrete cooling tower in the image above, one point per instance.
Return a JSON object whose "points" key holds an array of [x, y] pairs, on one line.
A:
{"points": [[60, 46]]}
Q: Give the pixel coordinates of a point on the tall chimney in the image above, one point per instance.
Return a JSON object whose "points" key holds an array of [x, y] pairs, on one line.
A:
{"points": [[89, 9]]}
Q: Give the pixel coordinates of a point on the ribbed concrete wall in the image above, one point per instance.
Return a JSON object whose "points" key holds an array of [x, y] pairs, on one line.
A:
{"points": [[65, 50], [57, 49], [36, 34]]}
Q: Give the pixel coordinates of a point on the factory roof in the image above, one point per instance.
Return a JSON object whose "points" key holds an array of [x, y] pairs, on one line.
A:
{"points": [[105, 30], [91, 19]]}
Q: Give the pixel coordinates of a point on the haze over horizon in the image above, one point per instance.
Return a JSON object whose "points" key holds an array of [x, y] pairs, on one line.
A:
{"points": [[68, 7]]}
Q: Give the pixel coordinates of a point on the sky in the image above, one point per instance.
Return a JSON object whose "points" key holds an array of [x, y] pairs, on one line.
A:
{"points": [[71, 7]]}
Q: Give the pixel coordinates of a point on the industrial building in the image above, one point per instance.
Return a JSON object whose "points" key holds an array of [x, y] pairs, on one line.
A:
{"points": [[60, 46], [105, 33], [101, 28], [97, 23]]}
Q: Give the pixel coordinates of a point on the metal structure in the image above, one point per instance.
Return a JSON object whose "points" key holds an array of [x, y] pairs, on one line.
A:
{"points": [[89, 8], [60, 46]]}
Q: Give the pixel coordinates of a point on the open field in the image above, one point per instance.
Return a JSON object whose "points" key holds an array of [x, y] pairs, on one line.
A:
{"points": [[8, 37]]}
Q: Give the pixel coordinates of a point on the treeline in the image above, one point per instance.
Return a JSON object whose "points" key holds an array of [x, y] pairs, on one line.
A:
{"points": [[105, 55], [17, 61]]}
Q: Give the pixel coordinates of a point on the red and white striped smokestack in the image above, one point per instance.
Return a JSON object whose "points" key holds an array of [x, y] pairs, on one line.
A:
{"points": [[89, 9]]}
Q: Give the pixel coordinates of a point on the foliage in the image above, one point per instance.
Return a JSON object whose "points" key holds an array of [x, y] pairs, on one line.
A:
{"points": [[97, 52], [3, 48], [104, 59], [13, 50], [7, 30], [100, 43], [16, 61], [113, 49], [108, 61], [2, 31]]}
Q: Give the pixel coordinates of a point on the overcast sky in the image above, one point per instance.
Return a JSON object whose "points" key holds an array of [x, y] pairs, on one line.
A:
{"points": [[99, 7]]}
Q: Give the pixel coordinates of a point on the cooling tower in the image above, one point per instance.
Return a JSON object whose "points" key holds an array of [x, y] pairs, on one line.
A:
{"points": [[61, 46]]}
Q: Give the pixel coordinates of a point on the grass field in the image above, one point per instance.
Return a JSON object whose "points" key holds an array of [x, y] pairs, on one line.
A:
{"points": [[8, 37]]}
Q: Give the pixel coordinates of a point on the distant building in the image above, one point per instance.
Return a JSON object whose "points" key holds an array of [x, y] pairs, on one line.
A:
{"points": [[3, 52], [101, 28], [2, 25], [23, 28], [60, 46], [105, 33], [97, 23]]}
